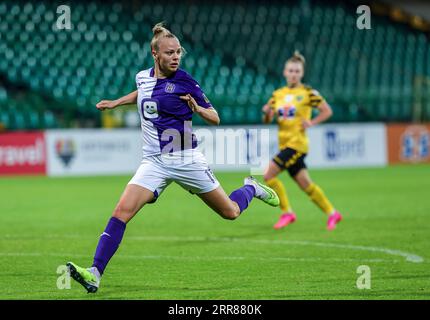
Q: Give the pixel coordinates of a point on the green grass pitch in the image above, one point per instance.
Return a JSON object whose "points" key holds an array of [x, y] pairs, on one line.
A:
{"points": [[179, 249]]}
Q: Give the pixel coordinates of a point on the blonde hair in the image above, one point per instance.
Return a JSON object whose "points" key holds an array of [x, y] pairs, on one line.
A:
{"points": [[297, 57], [159, 31]]}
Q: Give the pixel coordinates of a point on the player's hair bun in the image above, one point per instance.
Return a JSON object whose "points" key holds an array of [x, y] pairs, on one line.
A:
{"points": [[160, 29], [298, 57]]}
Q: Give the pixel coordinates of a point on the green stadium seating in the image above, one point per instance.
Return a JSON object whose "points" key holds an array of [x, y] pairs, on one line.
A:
{"points": [[236, 52]]}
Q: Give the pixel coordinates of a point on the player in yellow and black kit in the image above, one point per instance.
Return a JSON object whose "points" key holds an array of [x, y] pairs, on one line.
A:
{"points": [[292, 107]]}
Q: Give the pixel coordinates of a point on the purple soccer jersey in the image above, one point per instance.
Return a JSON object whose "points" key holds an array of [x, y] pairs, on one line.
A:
{"points": [[165, 118]]}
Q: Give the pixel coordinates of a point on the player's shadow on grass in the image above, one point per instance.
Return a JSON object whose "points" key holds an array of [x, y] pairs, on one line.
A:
{"points": [[146, 291], [358, 294], [405, 277], [221, 238]]}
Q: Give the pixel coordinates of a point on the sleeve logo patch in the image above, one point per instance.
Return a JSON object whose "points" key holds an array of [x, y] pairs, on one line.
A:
{"points": [[206, 98]]}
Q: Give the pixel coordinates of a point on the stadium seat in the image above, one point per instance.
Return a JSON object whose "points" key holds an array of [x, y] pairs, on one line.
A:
{"points": [[222, 44]]}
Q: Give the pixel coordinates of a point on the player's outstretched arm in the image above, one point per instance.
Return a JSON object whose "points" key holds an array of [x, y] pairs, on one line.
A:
{"points": [[111, 104], [268, 114], [208, 114], [325, 112]]}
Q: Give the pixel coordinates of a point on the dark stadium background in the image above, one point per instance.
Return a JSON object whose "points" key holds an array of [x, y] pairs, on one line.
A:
{"points": [[376, 80], [236, 50]]}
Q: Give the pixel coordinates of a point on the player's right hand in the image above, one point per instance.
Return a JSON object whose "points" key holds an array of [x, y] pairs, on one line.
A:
{"points": [[106, 104], [191, 102], [266, 109]]}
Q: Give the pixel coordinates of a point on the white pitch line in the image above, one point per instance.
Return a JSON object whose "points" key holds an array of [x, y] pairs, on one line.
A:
{"points": [[190, 258], [410, 257]]}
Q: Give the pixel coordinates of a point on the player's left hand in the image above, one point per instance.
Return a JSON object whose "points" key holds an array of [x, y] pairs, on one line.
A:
{"points": [[106, 104], [191, 102], [306, 124]]}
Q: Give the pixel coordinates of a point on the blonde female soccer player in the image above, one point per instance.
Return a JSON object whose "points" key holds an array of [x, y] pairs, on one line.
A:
{"points": [[166, 99], [292, 107]]}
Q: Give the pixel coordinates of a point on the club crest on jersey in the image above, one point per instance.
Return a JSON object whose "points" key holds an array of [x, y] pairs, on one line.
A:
{"points": [[170, 87], [299, 98]]}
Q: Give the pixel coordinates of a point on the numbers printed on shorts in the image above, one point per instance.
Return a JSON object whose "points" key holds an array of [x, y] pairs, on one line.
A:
{"points": [[149, 109]]}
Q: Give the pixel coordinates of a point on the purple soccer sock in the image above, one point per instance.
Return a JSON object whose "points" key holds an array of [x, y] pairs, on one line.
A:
{"points": [[108, 243], [243, 196]]}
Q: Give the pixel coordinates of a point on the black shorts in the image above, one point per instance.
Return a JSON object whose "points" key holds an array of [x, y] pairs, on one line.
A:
{"points": [[291, 160]]}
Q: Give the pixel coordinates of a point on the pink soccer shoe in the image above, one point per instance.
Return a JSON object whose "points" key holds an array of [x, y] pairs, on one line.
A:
{"points": [[333, 219], [285, 219]]}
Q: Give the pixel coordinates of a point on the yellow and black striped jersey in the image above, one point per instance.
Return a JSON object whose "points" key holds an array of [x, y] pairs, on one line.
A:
{"points": [[291, 107]]}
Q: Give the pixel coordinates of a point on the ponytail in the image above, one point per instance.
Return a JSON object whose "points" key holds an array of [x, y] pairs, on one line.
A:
{"points": [[298, 58]]}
